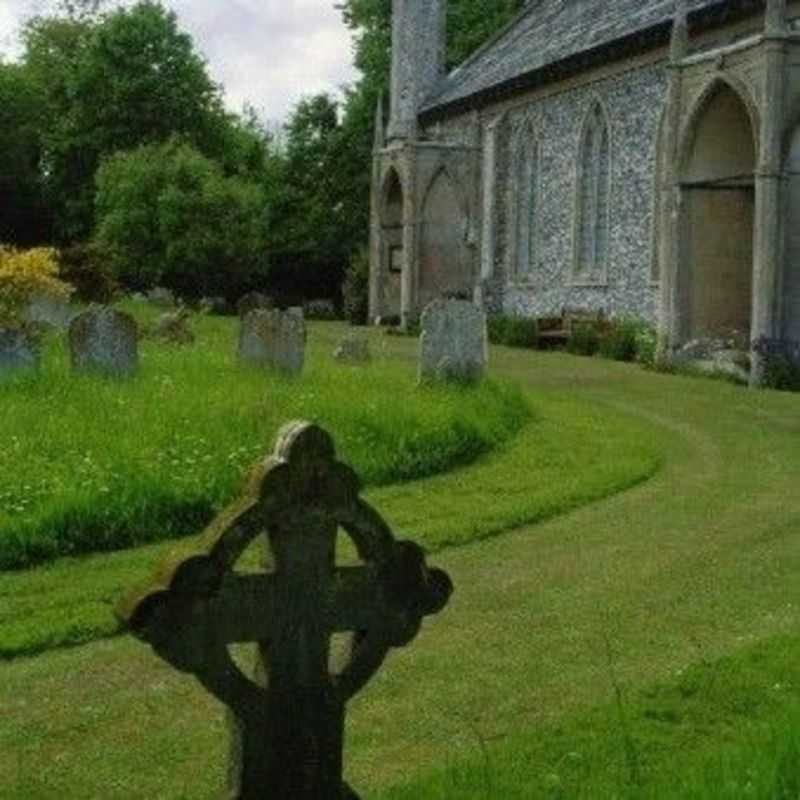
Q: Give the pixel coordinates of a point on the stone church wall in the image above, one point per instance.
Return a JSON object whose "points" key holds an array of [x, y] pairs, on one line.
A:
{"points": [[633, 102]]}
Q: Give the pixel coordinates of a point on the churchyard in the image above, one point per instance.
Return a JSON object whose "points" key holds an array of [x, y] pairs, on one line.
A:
{"points": [[622, 544]]}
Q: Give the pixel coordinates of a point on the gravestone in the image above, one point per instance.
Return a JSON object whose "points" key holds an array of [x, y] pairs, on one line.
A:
{"points": [[253, 301], [273, 339], [453, 344], [54, 312], [19, 350], [161, 297], [173, 328], [288, 728], [104, 340], [353, 349]]}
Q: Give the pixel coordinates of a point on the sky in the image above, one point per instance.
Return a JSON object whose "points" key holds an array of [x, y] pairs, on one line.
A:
{"points": [[270, 53]]}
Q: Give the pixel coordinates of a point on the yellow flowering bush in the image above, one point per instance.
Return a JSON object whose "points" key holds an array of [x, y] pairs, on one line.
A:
{"points": [[25, 273]]}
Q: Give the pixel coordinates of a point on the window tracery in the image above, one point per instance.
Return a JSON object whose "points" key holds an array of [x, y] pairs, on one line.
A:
{"points": [[525, 202], [594, 184]]}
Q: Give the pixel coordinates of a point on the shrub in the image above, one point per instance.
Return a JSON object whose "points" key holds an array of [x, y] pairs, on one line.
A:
{"points": [[84, 268], [781, 373], [646, 345], [167, 215], [355, 289], [584, 339], [513, 331], [25, 273], [619, 340]]}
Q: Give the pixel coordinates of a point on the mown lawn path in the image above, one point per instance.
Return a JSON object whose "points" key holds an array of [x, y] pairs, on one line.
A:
{"points": [[700, 561]]}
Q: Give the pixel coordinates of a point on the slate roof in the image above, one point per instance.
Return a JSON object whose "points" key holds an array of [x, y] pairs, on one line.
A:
{"points": [[552, 38]]}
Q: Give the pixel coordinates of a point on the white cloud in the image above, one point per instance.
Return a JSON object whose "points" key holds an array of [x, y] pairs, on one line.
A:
{"points": [[268, 52]]}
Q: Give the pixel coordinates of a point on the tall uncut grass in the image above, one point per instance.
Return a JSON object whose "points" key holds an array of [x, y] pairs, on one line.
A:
{"points": [[89, 464]]}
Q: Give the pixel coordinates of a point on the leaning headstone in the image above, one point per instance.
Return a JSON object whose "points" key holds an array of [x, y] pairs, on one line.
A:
{"points": [[287, 718], [53, 312], [19, 350], [104, 340], [273, 339], [353, 349], [253, 301], [453, 344], [173, 328]]}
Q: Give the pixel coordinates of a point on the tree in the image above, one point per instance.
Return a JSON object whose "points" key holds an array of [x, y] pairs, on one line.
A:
{"points": [[23, 219], [168, 215], [309, 234], [113, 82]]}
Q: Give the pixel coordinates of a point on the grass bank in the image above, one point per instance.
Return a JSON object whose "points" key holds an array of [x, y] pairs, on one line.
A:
{"points": [[688, 574], [727, 729], [566, 455], [92, 465]]}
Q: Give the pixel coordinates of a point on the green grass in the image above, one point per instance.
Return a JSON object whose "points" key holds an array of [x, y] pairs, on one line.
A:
{"points": [[564, 455], [648, 628], [568, 454], [723, 729], [93, 465]]}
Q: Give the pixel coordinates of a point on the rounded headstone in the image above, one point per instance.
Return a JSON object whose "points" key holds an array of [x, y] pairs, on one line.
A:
{"points": [[453, 344], [353, 349], [53, 312], [104, 340], [273, 339]]}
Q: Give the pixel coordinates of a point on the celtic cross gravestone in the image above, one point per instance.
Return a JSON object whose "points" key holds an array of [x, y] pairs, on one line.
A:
{"points": [[288, 717]]}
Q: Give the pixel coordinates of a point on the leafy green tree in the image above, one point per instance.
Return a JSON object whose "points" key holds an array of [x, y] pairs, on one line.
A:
{"points": [[113, 82], [168, 215], [470, 23], [23, 218], [309, 233], [53, 48]]}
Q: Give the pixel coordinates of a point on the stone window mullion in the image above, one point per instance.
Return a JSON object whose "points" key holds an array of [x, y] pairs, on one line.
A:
{"points": [[533, 176], [596, 175], [592, 198]]}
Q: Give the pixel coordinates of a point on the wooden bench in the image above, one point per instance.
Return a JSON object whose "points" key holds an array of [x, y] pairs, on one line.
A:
{"points": [[555, 331]]}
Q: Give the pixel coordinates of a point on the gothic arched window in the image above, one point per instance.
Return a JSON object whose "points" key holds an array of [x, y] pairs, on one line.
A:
{"points": [[594, 183], [525, 204]]}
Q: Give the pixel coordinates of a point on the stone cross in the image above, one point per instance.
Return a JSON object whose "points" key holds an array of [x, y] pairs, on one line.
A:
{"points": [[288, 717]]}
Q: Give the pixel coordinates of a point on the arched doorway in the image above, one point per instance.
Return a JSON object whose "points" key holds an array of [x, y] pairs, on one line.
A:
{"points": [[392, 238], [443, 263], [718, 202]]}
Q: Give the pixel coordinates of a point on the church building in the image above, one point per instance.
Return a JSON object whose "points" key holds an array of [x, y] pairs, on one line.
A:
{"points": [[636, 158]]}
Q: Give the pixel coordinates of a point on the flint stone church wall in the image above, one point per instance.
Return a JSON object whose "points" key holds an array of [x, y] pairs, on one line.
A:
{"points": [[633, 102]]}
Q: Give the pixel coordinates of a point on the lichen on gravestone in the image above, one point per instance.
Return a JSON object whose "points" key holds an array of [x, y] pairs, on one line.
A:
{"points": [[105, 341], [353, 349], [173, 327], [453, 344], [273, 339], [288, 728]]}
